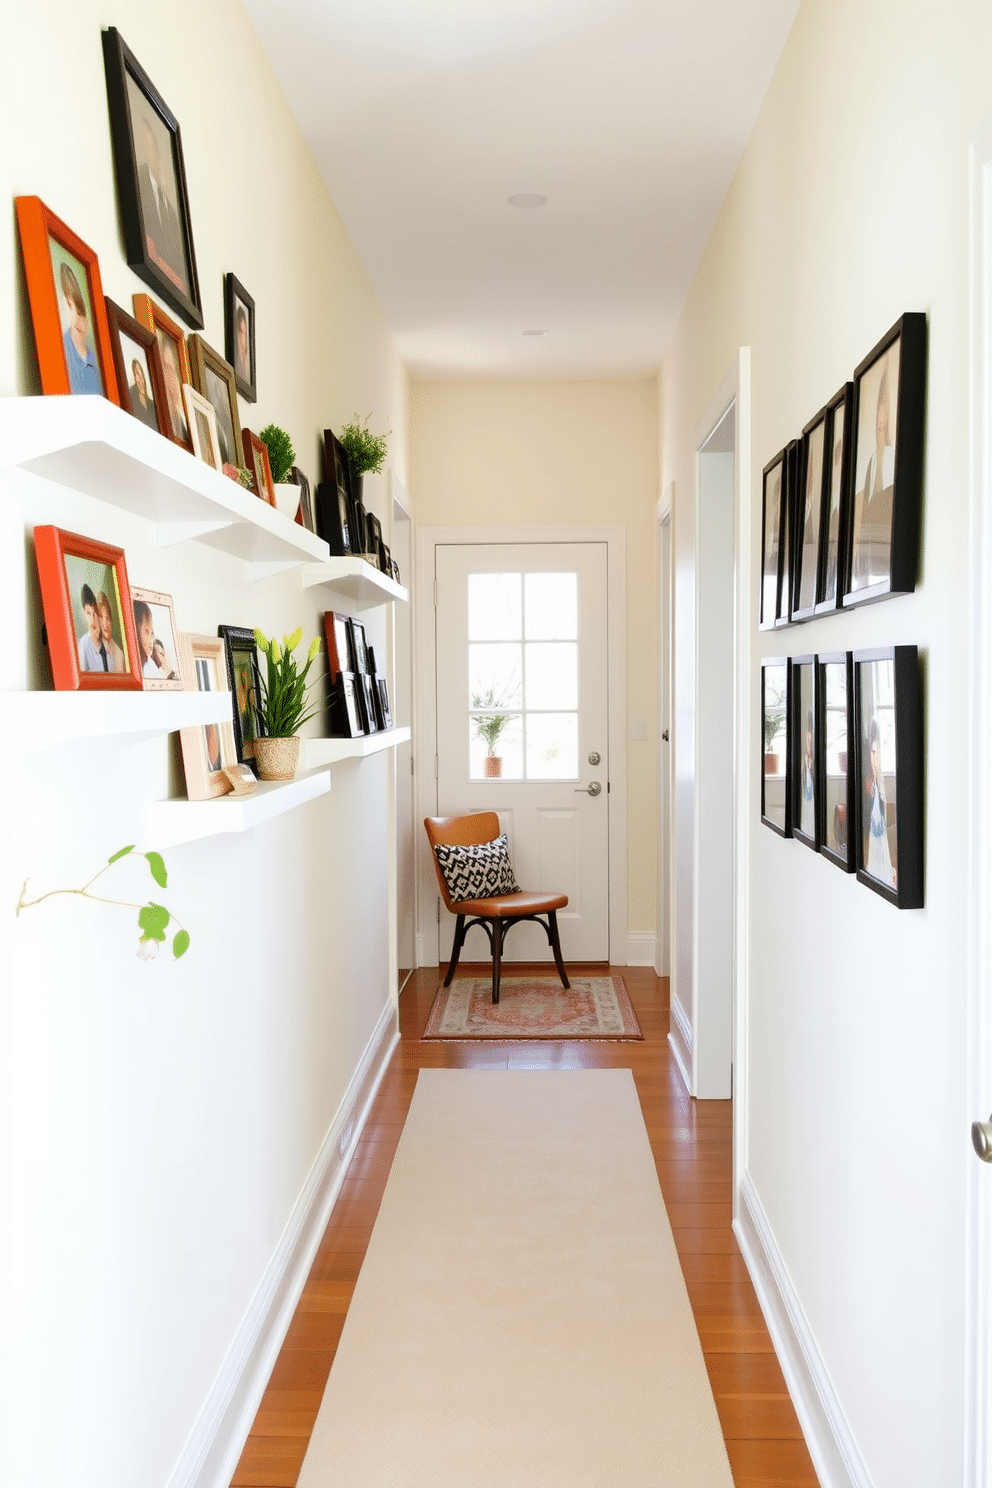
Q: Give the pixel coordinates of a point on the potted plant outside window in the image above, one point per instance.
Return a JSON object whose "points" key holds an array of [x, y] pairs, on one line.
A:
{"points": [[489, 727], [774, 718], [283, 706]]}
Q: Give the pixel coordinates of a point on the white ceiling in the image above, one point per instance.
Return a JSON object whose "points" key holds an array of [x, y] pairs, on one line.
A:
{"points": [[424, 116]]}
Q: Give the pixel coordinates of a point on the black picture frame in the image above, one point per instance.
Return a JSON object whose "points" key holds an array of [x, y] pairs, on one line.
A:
{"points": [[887, 707], [358, 646], [774, 482], [367, 703], [152, 195], [836, 505], [239, 315], [345, 721], [805, 810], [384, 709], [835, 757], [242, 675], [883, 547], [332, 511], [811, 467], [776, 721], [373, 538]]}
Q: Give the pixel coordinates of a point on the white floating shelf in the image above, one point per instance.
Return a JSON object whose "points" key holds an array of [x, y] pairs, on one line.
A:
{"points": [[169, 823], [92, 446], [331, 751], [357, 582], [34, 720]]}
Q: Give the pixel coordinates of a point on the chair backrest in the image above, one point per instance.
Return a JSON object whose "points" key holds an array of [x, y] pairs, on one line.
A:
{"points": [[464, 831]]}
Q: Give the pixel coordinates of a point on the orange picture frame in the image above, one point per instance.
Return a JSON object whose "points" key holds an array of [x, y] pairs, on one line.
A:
{"points": [[71, 334], [89, 615]]}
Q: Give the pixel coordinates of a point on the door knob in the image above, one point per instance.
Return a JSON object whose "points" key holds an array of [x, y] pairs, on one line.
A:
{"points": [[595, 757], [981, 1139], [592, 789]]}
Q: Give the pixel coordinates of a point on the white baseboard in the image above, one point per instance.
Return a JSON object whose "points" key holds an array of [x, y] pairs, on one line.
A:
{"points": [[835, 1454], [680, 1041], [215, 1444], [642, 948]]}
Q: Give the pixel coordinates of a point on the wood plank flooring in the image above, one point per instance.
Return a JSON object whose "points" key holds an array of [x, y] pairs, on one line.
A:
{"points": [[691, 1141]]}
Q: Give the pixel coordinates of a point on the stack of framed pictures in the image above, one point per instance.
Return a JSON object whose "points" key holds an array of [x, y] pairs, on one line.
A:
{"points": [[841, 508], [842, 763], [358, 701]]}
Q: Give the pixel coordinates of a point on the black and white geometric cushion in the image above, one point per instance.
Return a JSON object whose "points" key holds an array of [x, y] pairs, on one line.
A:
{"points": [[477, 872]]}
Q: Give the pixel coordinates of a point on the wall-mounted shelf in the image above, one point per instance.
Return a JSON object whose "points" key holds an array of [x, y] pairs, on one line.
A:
{"points": [[169, 823], [356, 582], [89, 445], [35, 720], [332, 751]]}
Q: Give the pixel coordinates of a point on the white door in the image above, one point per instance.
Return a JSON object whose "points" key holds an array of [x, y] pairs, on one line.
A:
{"points": [[521, 654]]}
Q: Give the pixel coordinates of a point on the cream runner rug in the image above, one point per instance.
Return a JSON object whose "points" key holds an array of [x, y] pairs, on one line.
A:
{"points": [[520, 1320]]}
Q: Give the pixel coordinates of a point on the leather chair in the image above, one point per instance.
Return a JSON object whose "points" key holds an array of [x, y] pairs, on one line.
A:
{"points": [[495, 914]]}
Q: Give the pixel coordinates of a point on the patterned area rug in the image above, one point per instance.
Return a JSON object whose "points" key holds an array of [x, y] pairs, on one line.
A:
{"points": [[533, 1008]]}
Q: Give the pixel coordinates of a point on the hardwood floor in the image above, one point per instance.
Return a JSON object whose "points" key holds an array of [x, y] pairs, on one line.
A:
{"points": [[691, 1141]]}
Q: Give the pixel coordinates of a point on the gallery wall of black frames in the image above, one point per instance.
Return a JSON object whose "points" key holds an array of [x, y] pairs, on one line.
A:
{"points": [[842, 735]]}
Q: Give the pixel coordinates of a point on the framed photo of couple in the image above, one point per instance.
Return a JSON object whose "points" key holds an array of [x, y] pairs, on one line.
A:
{"points": [[89, 619]]}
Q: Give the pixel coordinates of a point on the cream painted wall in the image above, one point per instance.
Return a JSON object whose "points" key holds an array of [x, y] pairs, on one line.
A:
{"points": [[160, 1120], [849, 207], [505, 453]]}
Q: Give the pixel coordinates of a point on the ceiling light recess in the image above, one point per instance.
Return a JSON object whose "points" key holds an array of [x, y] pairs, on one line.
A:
{"points": [[526, 200], [534, 332]]}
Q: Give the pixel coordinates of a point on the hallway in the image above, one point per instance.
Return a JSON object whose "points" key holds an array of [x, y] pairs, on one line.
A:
{"points": [[692, 1148]]}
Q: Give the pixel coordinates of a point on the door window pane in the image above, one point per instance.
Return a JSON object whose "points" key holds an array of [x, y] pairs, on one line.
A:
{"points": [[494, 607], [552, 674], [552, 746], [551, 606], [494, 679], [487, 746]]}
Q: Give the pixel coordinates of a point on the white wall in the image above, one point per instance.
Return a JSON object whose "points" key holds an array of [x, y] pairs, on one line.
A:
{"points": [[567, 454], [849, 207], [160, 1120]]}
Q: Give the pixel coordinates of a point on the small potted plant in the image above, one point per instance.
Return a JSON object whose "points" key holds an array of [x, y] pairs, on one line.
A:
{"points": [[489, 727], [283, 706], [282, 458], [366, 451], [774, 718]]}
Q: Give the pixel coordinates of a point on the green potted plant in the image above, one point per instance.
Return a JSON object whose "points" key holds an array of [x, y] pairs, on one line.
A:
{"points": [[773, 720], [366, 451], [283, 706], [282, 458], [489, 726]]}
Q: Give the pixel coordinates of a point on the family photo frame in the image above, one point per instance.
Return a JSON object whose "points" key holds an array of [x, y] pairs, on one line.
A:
{"points": [[835, 735], [889, 774], [806, 812], [776, 801], [138, 368], [239, 335], [158, 641], [68, 311], [150, 171], [889, 405], [87, 607], [171, 340]]}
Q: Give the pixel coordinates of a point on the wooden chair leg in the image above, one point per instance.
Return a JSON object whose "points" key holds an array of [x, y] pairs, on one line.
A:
{"points": [[497, 955], [456, 947], [556, 946]]}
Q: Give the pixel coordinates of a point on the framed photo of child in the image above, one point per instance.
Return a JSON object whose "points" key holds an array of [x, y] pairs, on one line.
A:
{"points": [[89, 622], [68, 313], [209, 750], [138, 365], [158, 641]]}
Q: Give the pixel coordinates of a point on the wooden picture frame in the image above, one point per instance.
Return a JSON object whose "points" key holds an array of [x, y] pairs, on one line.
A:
{"points": [[835, 757], [202, 422], [887, 486], [804, 789], [214, 379], [773, 502], [68, 311], [242, 675], [811, 466], [208, 749], [304, 515], [171, 339], [888, 732], [338, 642], [256, 459], [239, 335], [837, 501], [776, 721], [84, 585], [159, 653], [138, 368], [152, 197]]}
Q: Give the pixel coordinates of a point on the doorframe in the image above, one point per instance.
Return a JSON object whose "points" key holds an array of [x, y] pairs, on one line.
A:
{"points": [[664, 515], [615, 539], [978, 1077], [401, 648]]}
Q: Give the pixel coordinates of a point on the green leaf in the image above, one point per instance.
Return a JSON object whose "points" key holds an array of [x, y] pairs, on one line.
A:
{"points": [[152, 920], [158, 868], [122, 854], [181, 944]]}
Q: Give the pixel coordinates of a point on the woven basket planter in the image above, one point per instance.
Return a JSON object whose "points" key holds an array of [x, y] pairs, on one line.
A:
{"points": [[277, 758]]}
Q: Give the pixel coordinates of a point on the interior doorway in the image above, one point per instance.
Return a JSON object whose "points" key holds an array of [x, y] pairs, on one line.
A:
{"points": [[663, 915], [401, 548]]}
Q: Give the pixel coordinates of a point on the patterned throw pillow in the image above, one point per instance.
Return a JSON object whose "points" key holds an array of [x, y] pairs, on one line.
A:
{"points": [[477, 872]]}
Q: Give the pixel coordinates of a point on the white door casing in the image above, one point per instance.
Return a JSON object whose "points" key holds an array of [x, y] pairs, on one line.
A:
{"points": [[427, 540], [558, 832]]}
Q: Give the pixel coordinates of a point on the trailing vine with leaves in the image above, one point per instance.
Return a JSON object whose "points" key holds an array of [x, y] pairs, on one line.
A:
{"points": [[153, 919]]}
